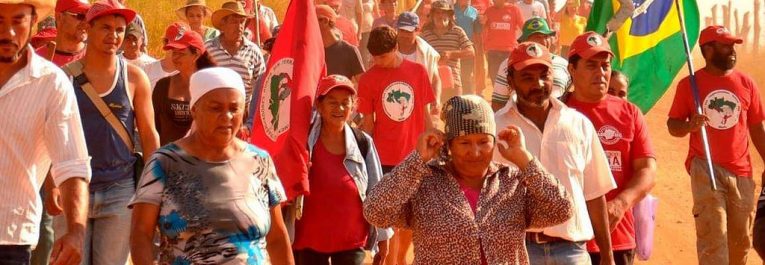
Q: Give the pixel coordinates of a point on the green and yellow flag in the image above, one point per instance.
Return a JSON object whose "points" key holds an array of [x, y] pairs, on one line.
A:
{"points": [[648, 47]]}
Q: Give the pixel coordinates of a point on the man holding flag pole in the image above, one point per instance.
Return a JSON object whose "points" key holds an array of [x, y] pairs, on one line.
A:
{"points": [[731, 113]]}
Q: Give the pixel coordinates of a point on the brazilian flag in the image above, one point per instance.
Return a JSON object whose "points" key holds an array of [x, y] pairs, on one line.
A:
{"points": [[648, 47]]}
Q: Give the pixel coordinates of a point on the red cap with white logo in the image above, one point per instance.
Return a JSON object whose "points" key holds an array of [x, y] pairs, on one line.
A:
{"points": [[529, 53], [718, 34], [588, 45], [330, 82]]}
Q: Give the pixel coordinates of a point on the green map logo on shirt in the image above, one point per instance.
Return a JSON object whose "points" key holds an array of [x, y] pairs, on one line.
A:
{"points": [[275, 99], [398, 101], [722, 108]]}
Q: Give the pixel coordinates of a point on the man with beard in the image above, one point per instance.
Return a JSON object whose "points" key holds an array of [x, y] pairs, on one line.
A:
{"points": [[624, 135], [41, 132], [724, 216], [70, 39], [567, 145]]}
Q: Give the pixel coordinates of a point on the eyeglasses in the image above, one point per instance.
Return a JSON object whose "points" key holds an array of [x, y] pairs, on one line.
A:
{"points": [[79, 17]]}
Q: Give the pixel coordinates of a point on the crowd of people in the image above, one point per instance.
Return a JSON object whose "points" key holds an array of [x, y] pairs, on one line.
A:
{"points": [[112, 156]]}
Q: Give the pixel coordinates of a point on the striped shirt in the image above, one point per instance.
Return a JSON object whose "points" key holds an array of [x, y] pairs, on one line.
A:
{"points": [[561, 80], [454, 39], [34, 138], [248, 62]]}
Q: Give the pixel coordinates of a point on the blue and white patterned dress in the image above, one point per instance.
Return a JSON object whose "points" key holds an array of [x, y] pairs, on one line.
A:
{"points": [[211, 212]]}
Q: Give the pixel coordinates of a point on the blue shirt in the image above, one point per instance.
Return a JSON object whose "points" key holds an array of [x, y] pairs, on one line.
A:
{"points": [[466, 19]]}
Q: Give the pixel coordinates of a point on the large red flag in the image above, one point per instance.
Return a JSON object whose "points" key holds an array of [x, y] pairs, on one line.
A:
{"points": [[283, 116]]}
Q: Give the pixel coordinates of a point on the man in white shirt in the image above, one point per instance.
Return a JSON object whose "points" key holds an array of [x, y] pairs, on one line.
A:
{"points": [[35, 138], [566, 144], [415, 49]]}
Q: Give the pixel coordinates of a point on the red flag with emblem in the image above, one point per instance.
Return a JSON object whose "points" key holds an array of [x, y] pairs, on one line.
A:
{"points": [[283, 115]]}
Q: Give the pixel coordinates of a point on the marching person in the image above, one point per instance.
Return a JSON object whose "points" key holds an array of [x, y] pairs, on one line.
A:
{"points": [[35, 138], [114, 100], [195, 12], [215, 199], [567, 145], [344, 169], [462, 207], [732, 114]]}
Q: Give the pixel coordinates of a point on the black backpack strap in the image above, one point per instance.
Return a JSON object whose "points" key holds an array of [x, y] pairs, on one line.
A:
{"points": [[361, 140]]}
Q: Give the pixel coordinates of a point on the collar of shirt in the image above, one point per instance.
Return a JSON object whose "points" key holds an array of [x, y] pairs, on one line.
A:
{"points": [[35, 68]]}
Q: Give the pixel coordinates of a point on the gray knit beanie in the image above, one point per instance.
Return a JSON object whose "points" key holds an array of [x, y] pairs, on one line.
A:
{"points": [[468, 114]]}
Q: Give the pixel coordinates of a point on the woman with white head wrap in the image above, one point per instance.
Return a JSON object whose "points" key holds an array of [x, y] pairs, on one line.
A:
{"points": [[215, 198]]}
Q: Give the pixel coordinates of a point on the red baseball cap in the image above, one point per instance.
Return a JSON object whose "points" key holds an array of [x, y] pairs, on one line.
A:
{"points": [[588, 45], [74, 6], [174, 29], [718, 34], [185, 39], [109, 7], [529, 53], [330, 82], [47, 34]]}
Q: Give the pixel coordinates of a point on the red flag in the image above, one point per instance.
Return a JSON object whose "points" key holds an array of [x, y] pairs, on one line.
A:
{"points": [[282, 119]]}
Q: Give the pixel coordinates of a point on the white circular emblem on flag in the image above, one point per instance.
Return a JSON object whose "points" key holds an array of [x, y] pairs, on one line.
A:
{"points": [[723, 109], [398, 101], [534, 51], [275, 98], [609, 135], [594, 41]]}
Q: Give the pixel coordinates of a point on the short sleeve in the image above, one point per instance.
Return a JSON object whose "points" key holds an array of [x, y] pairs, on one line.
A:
{"points": [[518, 17], [152, 183], [641, 145], [366, 95], [682, 104], [464, 41], [276, 194], [755, 113]]}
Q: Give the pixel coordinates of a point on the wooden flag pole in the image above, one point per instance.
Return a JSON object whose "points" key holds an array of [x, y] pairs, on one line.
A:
{"points": [[696, 96]]}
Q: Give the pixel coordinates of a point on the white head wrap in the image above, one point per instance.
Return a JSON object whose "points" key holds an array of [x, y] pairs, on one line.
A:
{"points": [[206, 80]]}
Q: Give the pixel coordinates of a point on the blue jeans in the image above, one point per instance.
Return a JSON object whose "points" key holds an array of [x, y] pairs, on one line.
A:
{"points": [[107, 236], [558, 253], [14, 254]]}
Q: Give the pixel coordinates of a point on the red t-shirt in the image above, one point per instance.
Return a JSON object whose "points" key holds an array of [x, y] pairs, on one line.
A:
{"points": [[349, 32], [333, 218], [624, 136], [60, 58], [731, 103], [502, 28], [397, 97]]}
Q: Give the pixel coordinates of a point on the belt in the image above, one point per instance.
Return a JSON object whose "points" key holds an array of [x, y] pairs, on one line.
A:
{"points": [[540, 238]]}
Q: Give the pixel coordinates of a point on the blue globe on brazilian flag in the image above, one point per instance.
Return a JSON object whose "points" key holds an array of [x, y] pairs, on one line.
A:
{"points": [[648, 47]]}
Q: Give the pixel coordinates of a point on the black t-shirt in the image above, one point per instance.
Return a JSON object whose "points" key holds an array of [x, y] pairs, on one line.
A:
{"points": [[343, 59], [172, 117]]}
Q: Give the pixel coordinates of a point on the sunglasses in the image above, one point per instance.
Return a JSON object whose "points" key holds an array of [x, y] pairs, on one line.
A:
{"points": [[79, 17]]}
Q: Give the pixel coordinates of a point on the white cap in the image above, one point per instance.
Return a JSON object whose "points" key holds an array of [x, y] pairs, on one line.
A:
{"points": [[209, 79]]}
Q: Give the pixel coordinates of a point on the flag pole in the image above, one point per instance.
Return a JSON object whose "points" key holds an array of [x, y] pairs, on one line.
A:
{"points": [[696, 97]]}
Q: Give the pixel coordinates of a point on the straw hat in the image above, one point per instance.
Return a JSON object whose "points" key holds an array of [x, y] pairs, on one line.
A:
{"points": [[228, 8], [181, 12], [43, 8]]}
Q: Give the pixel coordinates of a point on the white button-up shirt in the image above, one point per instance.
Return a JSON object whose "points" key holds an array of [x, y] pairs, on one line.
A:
{"points": [[40, 127], [570, 150]]}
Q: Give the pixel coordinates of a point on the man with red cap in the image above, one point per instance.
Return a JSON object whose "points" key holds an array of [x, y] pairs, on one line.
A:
{"points": [[341, 57], [567, 145], [624, 135], [70, 37], [732, 114], [41, 132], [114, 100]]}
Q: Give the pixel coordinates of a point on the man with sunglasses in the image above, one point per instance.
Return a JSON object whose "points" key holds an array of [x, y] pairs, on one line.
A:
{"points": [[69, 45]]}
